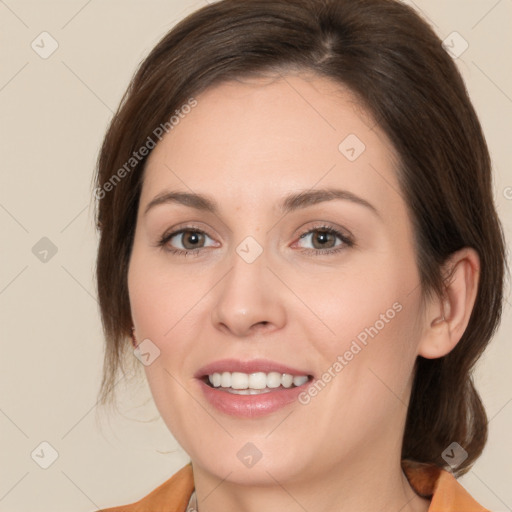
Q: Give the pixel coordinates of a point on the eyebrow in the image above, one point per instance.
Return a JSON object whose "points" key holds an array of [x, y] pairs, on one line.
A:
{"points": [[290, 203]]}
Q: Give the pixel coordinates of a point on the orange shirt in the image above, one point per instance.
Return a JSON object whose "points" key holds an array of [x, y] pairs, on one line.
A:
{"points": [[436, 484]]}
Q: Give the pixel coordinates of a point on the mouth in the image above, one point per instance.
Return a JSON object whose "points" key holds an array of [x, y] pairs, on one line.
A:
{"points": [[251, 389], [257, 383]]}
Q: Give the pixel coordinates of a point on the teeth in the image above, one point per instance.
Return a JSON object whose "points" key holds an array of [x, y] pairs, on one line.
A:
{"points": [[247, 391], [255, 381]]}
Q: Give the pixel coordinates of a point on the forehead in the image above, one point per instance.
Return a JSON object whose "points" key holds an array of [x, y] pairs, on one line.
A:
{"points": [[263, 135]]}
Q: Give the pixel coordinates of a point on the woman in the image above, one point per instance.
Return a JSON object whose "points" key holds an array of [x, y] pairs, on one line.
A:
{"points": [[298, 232]]}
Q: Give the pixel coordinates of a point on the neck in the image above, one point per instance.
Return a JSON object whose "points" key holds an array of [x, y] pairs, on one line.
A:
{"points": [[365, 487]]}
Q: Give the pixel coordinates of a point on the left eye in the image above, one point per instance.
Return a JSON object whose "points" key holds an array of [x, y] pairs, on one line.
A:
{"points": [[324, 238]]}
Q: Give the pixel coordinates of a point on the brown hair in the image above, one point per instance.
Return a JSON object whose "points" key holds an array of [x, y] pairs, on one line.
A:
{"points": [[395, 64]]}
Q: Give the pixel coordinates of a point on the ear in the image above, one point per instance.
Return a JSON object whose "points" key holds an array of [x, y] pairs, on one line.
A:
{"points": [[446, 318]]}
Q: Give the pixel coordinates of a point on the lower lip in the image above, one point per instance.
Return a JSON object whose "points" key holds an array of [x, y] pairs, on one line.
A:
{"points": [[251, 406]]}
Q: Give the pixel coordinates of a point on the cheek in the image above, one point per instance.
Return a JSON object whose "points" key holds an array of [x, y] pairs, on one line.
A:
{"points": [[158, 295], [172, 402], [366, 374], [161, 301], [353, 303], [370, 317]]}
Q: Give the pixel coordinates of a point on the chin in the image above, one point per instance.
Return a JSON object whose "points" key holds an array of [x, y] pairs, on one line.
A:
{"points": [[249, 466]]}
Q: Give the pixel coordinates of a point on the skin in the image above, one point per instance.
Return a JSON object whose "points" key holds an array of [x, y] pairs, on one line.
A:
{"points": [[247, 144]]}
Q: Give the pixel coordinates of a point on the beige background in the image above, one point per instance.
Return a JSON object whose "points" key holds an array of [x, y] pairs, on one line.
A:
{"points": [[54, 113]]}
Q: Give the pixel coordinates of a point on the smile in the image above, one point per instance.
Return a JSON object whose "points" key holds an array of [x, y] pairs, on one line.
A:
{"points": [[254, 383]]}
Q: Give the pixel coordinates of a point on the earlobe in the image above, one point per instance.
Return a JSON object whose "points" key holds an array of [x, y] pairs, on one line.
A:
{"points": [[447, 318]]}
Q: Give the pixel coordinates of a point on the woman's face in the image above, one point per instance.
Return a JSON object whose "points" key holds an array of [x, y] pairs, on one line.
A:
{"points": [[321, 286]]}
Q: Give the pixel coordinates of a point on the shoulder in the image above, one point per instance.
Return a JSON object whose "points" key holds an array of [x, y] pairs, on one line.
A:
{"points": [[441, 487], [449, 494], [173, 494]]}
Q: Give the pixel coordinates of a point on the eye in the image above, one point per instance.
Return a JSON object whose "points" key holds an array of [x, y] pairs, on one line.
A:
{"points": [[185, 241], [191, 241], [324, 238]]}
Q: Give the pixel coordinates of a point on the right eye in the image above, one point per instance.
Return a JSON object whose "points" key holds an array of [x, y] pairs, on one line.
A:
{"points": [[189, 241]]}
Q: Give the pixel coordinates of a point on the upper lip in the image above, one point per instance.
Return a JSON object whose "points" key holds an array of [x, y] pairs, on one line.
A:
{"points": [[252, 366]]}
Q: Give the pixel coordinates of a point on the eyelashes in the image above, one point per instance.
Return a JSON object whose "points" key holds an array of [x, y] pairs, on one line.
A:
{"points": [[163, 243], [324, 232], [328, 230]]}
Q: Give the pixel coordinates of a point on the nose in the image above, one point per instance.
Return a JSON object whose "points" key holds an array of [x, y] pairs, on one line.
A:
{"points": [[250, 299]]}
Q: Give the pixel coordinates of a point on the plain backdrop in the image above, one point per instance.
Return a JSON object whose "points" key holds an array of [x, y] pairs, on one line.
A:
{"points": [[54, 110]]}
